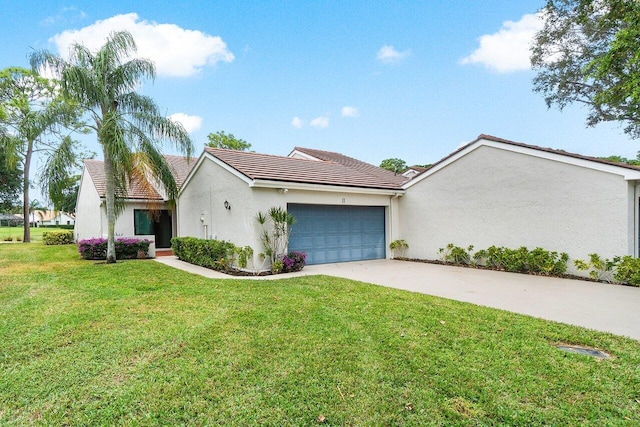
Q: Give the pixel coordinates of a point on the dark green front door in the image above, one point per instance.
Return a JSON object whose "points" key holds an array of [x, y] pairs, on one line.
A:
{"points": [[162, 228]]}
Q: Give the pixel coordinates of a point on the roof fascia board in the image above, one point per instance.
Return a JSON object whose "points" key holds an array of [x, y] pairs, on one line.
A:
{"points": [[628, 174], [260, 183]]}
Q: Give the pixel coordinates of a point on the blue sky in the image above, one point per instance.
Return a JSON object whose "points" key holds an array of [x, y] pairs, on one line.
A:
{"points": [[372, 80]]}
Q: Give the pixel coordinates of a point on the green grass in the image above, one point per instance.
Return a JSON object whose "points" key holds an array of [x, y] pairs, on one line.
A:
{"points": [[18, 232], [139, 343]]}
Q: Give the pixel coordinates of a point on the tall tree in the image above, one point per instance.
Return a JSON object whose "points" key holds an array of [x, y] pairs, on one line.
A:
{"points": [[228, 141], [36, 118], [10, 184], [394, 165], [129, 126], [588, 53], [64, 194]]}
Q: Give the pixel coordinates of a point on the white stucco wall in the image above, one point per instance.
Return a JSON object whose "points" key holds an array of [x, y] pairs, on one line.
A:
{"points": [[210, 186], [497, 197], [88, 212]]}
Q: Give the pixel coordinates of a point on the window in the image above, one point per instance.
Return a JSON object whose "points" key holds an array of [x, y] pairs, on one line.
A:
{"points": [[142, 222]]}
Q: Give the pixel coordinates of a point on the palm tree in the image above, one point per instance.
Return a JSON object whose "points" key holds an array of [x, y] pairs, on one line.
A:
{"points": [[129, 126]]}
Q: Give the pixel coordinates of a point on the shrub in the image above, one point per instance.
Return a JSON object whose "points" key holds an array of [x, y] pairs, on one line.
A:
{"points": [[215, 254], [456, 254], [57, 237], [600, 269], [628, 270], [126, 248], [400, 246], [294, 261], [521, 260]]}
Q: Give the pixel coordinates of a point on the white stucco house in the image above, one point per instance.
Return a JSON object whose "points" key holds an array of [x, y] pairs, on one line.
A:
{"points": [[147, 214], [50, 217], [490, 192]]}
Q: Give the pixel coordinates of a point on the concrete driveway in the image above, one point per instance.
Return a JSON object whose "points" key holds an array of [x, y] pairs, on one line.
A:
{"points": [[599, 306]]}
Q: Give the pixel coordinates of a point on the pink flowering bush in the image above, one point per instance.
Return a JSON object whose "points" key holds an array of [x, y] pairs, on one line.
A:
{"points": [[294, 261], [126, 248]]}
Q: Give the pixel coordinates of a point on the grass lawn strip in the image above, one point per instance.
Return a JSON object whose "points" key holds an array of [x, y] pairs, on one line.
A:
{"points": [[139, 343], [18, 232]]}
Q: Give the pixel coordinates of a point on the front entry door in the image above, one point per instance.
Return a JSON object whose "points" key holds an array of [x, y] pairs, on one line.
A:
{"points": [[162, 228]]}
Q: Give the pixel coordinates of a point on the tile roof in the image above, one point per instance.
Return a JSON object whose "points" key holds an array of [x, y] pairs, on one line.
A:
{"points": [[136, 189], [331, 156], [287, 169]]}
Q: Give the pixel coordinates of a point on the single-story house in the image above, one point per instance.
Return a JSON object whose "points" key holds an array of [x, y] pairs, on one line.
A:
{"points": [[147, 213], [490, 192], [49, 217]]}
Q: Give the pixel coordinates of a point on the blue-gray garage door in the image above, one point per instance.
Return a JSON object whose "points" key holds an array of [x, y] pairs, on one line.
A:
{"points": [[337, 233]]}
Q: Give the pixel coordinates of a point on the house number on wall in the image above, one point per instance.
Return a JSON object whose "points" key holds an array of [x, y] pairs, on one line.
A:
{"points": [[344, 200]]}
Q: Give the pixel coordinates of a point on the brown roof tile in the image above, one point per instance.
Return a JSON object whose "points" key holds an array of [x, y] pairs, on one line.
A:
{"points": [[139, 190], [367, 168], [287, 169]]}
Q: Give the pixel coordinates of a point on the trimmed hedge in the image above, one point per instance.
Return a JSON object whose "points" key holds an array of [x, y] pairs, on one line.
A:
{"points": [[215, 254], [57, 237], [126, 248]]}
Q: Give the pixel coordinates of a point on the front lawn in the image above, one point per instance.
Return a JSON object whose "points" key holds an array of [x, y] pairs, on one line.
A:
{"points": [[139, 343], [18, 232]]}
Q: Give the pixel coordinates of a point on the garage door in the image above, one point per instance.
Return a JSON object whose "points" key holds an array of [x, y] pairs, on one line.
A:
{"points": [[337, 233]]}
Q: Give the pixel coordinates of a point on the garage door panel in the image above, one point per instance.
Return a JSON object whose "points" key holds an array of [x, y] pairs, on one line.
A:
{"points": [[338, 233]]}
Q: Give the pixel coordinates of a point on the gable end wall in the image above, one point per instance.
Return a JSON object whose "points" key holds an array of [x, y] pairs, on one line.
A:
{"points": [[497, 197]]}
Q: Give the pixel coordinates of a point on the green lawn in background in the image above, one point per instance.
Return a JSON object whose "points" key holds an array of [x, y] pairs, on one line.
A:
{"points": [[140, 343], [18, 232]]}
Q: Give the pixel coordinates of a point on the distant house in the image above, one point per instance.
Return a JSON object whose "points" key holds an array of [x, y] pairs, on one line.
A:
{"points": [[147, 213], [51, 218]]}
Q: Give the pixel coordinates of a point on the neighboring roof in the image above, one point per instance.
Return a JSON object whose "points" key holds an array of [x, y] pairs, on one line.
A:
{"points": [[330, 156], [327, 172], [141, 190], [50, 215], [10, 217], [579, 159]]}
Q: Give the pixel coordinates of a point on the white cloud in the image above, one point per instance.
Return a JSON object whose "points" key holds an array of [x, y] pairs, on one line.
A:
{"points": [[350, 111], [320, 122], [175, 51], [297, 122], [389, 55], [66, 15], [508, 49], [190, 123]]}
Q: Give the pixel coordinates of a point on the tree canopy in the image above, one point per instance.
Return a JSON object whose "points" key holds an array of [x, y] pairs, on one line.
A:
{"points": [[394, 165], [36, 119], [129, 126], [588, 53], [223, 140], [10, 184]]}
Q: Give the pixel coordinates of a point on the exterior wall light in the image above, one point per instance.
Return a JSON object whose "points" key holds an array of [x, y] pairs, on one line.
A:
{"points": [[227, 206], [202, 218]]}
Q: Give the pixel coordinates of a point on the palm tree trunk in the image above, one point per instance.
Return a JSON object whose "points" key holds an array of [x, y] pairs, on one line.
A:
{"points": [[26, 238], [110, 194]]}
